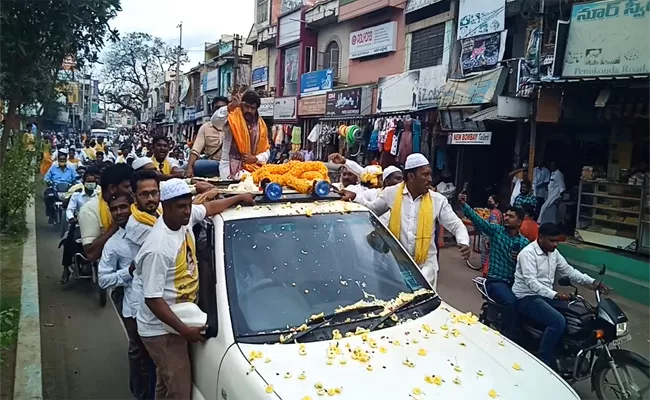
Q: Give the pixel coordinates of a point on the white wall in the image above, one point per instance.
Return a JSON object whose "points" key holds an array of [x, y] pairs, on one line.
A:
{"points": [[339, 32]]}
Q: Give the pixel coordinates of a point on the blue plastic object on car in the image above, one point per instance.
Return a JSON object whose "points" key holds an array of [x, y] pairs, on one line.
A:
{"points": [[273, 191], [322, 188]]}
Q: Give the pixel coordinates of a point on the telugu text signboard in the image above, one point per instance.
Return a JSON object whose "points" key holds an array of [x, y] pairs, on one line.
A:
{"points": [[374, 40]]}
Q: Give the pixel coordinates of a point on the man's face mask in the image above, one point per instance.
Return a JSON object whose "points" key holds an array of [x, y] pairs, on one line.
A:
{"points": [[90, 186]]}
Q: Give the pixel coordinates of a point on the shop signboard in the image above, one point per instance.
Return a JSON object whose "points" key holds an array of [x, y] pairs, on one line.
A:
{"points": [[316, 81], [474, 138], [266, 107], [311, 106], [285, 108], [211, 80], [480, 88], [225, 48], [480, 17], [289, 28], [414, 90], [608, 38], [414, 5], [481, 53], [343, 102], [374, 40], [260, 76]]}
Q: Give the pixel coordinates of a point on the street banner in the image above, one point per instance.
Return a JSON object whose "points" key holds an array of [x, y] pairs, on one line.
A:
{"points": [[480, 17]]}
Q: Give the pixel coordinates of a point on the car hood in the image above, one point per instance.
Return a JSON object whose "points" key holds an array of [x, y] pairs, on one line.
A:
{"points": [[470, 360]]}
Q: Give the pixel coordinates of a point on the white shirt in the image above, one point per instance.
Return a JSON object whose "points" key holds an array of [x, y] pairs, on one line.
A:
{"points": [[113, 271], [77, 200], [369, 196], [219, 120], [536, 269], [442, 212], [556, 185], [89, 222], [156, 263], [541, 175], [516, 189]]}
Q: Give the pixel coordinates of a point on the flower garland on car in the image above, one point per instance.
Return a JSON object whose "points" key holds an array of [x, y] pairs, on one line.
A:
{"points": [[298, 175]]}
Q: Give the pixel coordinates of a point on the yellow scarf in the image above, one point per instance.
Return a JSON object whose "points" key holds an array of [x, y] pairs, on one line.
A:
{"points": [[425, 226], [166, 168], [144, 217], [105, 218], [186, 282]]}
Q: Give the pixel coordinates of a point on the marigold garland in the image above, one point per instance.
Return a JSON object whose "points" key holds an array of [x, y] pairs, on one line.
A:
{"points": [[298, 175]]}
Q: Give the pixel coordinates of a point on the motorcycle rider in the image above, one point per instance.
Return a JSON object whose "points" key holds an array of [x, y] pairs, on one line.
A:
{"points": [[58, 173], [537, 265], [505, 244]]}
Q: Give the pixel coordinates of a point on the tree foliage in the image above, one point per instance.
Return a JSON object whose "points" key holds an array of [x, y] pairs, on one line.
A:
{"points": [[133, 66], [36, 36]]}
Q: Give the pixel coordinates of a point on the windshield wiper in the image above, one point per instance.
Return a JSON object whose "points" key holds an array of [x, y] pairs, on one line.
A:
{"points": [[328, 318], [426, 296]]}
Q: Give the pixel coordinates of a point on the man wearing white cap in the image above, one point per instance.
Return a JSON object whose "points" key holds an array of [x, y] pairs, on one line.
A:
{"points": [[350, 172], [143, 163], [391, 176], [414, 208], [167, 264]]}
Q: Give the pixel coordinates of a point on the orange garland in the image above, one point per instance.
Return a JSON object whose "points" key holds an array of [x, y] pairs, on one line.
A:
{"points": [[298, 175]]}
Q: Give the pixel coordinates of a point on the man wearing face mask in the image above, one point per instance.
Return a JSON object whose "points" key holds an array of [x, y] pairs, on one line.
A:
{"points": [[245, 136], [58, 173]]}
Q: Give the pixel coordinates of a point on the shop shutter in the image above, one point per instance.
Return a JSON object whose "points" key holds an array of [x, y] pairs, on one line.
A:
{"points": [[427, 47]]}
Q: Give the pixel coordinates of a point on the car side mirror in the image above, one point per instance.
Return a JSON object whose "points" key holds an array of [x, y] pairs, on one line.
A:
{"points": [[564, 281]]}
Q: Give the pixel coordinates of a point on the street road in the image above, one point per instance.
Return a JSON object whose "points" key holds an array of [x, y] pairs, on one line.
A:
{"points": [[84, 346]]}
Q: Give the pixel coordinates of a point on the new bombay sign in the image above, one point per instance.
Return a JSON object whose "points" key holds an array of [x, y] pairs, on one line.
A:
{"points": [[608, 38]]}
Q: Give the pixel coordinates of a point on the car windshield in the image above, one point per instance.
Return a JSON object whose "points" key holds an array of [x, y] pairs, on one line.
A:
{"points": [[282, 270]]}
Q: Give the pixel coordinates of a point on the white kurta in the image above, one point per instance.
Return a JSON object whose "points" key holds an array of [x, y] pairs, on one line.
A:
{"points": [[442, 212], [549, 210]]}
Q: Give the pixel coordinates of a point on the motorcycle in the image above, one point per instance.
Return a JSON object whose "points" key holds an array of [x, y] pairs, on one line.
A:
{"points": [[82, 268], [591, 345], [58, 195]]}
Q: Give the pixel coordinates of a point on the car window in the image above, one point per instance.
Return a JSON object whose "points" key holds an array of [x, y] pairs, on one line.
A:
{"points": [[282, 270]]}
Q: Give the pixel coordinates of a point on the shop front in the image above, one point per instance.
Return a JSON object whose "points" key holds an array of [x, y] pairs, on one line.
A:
{"points": [[285, 129], [310, 109]]}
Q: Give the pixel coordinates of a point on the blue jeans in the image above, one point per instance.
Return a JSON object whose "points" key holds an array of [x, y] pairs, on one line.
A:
{"points": [[541, 310], [206, 168], [501, 292]]}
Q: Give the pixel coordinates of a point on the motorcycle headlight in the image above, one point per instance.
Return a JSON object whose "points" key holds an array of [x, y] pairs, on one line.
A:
{"points": [[621, 329]]}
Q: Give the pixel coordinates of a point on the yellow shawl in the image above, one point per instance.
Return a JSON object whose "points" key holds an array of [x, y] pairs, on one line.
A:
{"points": [[144, 217], [425, 225], [105, 218], [166, 166], [186, 281], [242, 137]]}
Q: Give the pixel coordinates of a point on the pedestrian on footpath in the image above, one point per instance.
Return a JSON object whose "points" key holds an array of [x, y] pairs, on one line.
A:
{"points": [[415, 208], [505, 244], [168, 265]]}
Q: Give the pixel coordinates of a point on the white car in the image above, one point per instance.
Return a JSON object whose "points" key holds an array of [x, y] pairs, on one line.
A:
{"points": [[273, 274]]}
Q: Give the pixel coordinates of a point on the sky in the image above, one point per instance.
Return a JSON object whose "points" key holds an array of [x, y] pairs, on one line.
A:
{"points": [[203, 21]]}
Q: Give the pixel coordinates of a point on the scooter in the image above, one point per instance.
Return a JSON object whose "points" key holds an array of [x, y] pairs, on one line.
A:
{"points": [[82, 268], [58, 195], [591, 345]]}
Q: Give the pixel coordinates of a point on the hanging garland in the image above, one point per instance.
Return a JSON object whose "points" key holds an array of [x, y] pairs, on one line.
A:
{"points": [[298, 175]]}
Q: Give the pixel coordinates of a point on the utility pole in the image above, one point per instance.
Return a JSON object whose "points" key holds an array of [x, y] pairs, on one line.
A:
{"points": [[235, 48], [177, 91]]}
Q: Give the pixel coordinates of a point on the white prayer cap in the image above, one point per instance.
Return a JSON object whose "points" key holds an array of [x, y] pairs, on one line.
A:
{"points": [[391, 169], [63, 151], [140, 162], [415, 160], [173, 188]]}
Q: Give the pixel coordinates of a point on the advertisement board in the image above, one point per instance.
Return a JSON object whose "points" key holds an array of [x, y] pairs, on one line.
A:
{"points": [[313, 105], [266, 107], [475, 138], [289, 28], [412, 90], [211, 80], [481, 53], [316, 81], [343, 102], [608, 38], [260, 76], [480, 17], [374, 40], [285, 108]]}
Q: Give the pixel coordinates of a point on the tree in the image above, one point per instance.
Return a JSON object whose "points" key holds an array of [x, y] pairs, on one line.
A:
{"points": [[36, 37], [133, 67]]}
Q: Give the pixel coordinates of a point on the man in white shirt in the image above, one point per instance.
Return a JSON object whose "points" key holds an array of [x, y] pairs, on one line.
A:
{"points": [[556, 188], [537, 265], [412, 192], [167, 263], [78, 199], [115, 271], [541, 179]]}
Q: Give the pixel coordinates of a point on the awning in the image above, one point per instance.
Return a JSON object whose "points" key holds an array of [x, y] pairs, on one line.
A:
{"points": [[489, 114], [478, 89]]}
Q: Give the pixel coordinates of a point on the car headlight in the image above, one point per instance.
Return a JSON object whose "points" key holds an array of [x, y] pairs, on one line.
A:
{"points": [[621, 329]]}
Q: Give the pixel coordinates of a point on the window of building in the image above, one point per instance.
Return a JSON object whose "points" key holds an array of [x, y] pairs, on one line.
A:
{"points": [[331, 58], [262, 11], [427, 47], [310, 59], [291, 68]]}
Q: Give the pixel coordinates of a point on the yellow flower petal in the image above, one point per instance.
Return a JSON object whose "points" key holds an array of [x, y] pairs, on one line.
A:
{"points": [[302, 376], [422, 352], [516, 367], [329, 362], [383, 350], [457, 368], [306, 398], [501, 343], [479, 373], [269, 389], [287, 375], [267, 360], [417, 391], [457, 381], [331, 392], [444, 327], [437, 380], [369, 367], [493, 394], [321, 392], [318, 385]]}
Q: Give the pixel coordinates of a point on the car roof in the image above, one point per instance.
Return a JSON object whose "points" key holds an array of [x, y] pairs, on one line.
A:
{"points": [[267, 210]]}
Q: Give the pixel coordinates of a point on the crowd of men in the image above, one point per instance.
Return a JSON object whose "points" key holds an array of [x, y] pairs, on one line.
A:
{"points": [[136, 218]]}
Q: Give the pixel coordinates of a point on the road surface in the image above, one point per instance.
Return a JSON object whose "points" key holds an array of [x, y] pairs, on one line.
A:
{"points": [[84, 346]]}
